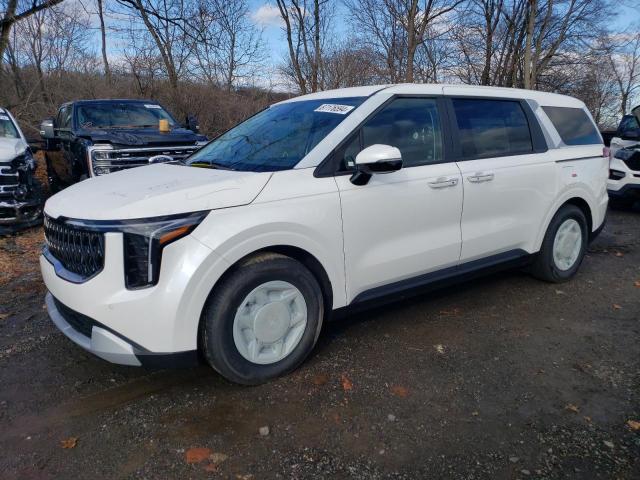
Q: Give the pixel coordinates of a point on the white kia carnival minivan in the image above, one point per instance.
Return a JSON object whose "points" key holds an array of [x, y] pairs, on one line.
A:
{"points": [[314, 204]]}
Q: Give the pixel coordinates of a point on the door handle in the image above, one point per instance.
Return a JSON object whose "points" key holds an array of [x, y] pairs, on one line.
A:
{"points": [[444, 182], [480, 177]]}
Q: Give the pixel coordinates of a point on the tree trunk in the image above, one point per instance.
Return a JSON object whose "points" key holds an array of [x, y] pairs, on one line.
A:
{"points": [[103, 33], [5, 27], [531, 23]]}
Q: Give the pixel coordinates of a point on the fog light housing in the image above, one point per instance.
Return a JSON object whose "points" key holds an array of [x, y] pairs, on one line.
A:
{"points": [[616, 174]]}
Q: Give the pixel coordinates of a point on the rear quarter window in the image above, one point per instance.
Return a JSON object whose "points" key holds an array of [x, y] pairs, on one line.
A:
{"points": [[573, 125]]}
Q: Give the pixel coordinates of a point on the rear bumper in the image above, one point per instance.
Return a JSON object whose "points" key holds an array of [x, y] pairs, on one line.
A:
{"points": [[107, 344]]}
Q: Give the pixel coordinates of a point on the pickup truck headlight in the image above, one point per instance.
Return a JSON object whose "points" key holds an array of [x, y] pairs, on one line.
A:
{"points": [[144, 242]]}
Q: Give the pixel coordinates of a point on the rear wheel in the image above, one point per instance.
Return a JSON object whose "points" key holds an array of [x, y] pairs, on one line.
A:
{"points": [[263, 320], [563, 247]]}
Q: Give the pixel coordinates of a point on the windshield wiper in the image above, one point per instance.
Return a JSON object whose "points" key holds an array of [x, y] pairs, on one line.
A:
{"points": [[207, 164]]}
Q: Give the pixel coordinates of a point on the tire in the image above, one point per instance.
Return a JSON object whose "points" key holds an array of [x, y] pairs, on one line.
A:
{"points": [[226, 350], [546, 266], [52, 179]]}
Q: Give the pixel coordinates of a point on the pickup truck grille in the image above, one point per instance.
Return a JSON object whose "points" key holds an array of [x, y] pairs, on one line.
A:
{"points": [[78, 250], [9, 180], [109, 161]]}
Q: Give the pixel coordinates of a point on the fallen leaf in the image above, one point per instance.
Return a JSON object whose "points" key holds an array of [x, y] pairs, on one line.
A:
{"points": [[346, 383], [619, 254], [587, 419], [320, 379], [211, 467], [70, 442], [637, 283], [617, 307], [633, 425], [572, 408], [244, 477], [400, 391], [218, 457], [197, 454], [439, 348], [475, 413], [3, 316]]}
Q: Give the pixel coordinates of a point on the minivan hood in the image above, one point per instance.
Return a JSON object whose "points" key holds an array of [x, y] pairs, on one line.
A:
{"points": [[10, 148], [156, 190]]}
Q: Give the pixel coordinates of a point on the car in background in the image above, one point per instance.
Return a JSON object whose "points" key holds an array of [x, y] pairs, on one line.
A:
{"points": [[20, 192], [90, 138], [330, 200], [624, 152]]}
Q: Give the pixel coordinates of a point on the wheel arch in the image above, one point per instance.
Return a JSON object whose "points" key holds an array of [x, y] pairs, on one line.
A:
{"points": [[300, 254], [575, 199]]}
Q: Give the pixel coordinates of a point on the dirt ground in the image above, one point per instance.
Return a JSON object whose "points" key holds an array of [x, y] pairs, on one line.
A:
{"points": [[503, 377]]}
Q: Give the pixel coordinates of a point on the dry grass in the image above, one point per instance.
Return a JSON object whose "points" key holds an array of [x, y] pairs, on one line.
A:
{"points": [[19, 257]]}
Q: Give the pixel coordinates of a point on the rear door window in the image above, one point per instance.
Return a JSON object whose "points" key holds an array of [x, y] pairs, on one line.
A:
{"points": [[492, 128], [573, 125]]}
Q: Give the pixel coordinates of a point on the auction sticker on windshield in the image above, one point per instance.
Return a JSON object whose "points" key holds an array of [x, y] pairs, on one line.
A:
{"points": [[152, 106], [4, 117], [334, 108]]}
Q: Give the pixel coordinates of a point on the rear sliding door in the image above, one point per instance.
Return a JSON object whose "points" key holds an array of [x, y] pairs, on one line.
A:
{"points": [[509, 179]]}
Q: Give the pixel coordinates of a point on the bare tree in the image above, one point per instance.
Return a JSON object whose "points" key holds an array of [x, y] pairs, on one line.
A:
{"points": [[10, 14], [397, 29], [624, 60], [306, 25], [229, 49]]}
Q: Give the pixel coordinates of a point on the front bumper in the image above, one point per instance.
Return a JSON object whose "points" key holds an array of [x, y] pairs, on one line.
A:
{"points": [[16, 215], [108, 345], [630, 190]]}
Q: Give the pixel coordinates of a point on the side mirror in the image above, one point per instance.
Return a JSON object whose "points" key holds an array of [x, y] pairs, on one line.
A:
{"points": [[47, 129], [376, 159], [192, 124]]}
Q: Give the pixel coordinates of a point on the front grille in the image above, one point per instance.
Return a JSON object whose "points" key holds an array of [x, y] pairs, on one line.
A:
{"points": [[633, 162], [79, 250], [79, 322], [9, 180], [109, 161]]}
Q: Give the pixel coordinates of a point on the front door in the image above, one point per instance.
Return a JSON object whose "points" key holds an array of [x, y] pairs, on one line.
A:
{"points": [[407, 223]]}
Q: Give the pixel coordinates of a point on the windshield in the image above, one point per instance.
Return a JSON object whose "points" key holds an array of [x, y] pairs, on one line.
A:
{"points": [[122, 115], [276, 138], [7, 128]]}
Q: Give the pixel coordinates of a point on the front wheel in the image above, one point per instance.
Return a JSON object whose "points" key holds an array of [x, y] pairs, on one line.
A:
{"points": [[563, 247], [263, 319]]}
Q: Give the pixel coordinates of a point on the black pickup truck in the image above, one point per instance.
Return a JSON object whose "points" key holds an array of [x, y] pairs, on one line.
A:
{"points": [[88, 138]]}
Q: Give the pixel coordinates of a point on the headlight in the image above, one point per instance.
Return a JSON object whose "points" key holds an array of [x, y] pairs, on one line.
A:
{"points": [[99, 156], [144, 242]]}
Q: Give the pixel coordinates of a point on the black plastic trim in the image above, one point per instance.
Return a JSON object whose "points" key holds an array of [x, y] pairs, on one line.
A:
{"points": [[577, 159], [438, 279], [184, 359]]}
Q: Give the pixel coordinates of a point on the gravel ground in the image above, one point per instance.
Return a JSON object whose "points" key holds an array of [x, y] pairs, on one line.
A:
{"points": [[503, 377]]}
